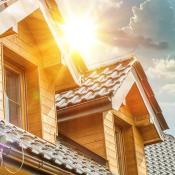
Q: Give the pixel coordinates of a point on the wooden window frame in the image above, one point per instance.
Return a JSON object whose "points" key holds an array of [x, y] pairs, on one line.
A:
{"points": [[120, 149], [16, 68]]}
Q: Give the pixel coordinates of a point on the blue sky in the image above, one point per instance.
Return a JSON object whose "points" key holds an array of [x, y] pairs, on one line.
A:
{"points": [[143, 27]]}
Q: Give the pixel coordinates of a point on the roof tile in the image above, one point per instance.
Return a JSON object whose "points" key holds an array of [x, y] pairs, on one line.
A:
{"points": [[97, 83], [60, 154], [160, 157]]}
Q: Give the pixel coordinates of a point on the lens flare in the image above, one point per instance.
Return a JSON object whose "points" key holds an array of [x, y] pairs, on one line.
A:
{"points": [[80, 34]]}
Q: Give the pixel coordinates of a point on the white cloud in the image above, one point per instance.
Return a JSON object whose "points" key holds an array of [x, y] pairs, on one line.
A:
{"points": [[155, 19], [168, 88], [162, 68]]}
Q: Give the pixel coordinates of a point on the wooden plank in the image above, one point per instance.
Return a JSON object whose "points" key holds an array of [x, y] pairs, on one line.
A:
{"points": [[2, 112], [87, 131], [110, 139]]}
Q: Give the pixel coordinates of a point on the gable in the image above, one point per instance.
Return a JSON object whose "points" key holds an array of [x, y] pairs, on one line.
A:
{"points": [[95, 84], [114, 82]]}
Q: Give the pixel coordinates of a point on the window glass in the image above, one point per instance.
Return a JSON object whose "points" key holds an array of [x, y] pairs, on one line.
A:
{"points": [[13, 98]]}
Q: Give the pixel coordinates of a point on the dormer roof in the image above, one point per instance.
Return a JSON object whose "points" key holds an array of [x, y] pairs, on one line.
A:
{"points": [[107, 81], [103, 81]]}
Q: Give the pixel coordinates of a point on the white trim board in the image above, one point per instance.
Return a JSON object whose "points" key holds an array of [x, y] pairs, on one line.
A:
{"points": [[16, 12], [153, 117], [119, 98]]}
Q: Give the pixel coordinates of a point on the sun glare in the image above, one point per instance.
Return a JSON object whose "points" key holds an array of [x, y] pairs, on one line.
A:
{"points": [[80, 34]]}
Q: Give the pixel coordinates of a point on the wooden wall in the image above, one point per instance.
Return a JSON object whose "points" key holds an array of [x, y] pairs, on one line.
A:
{"points": [[87, 131], [132, 161], [110, 142], [33, 117], [30, 49], [1, 84], [47, 102]]}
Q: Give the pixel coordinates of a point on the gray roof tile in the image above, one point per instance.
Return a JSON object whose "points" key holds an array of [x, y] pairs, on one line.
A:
{"points": [[101, 82], [160, 157], [60, 154]]}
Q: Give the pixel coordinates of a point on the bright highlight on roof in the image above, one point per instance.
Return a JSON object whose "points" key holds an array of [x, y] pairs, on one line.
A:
{"points": [[79, 34]]}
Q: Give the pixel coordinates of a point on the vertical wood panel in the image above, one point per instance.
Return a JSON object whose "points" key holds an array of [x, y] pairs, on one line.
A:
{"points": [[110, 141], [140, 154], [33, 102], [1, 84], [47, 104]]}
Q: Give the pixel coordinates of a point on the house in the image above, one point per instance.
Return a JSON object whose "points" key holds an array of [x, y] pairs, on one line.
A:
{"points": [[58, 117]]}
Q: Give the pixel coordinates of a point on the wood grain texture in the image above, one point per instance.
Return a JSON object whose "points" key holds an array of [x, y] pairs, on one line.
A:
{"points": [[111, 142], [87, 131]]}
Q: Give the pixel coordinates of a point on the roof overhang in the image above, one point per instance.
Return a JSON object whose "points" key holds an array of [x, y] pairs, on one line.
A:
{"points": [[97, 105], [14, 13], [107, 103], [122, 92], [140, 76], [153, 117]]}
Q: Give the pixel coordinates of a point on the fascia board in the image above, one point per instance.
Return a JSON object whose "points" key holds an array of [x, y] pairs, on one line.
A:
{"points": [[14, 13]]}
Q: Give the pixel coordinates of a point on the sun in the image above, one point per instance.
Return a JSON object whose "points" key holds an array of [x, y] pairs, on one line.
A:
{"points": [[79, 34]]}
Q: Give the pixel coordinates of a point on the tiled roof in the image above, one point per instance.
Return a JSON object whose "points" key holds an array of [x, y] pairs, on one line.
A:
{"points": [[160, 157], [60, 154], [100, 82]]}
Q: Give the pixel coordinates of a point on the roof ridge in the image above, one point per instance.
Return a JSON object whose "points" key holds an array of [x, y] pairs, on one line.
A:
{"points": [[112, 62]]}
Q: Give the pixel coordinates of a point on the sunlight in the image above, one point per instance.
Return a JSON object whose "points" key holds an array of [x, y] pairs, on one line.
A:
{"points": [[80, 34]]}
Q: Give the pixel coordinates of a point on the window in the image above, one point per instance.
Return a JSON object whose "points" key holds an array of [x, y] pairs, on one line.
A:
{"points": [[14, 94], [120, 150]]}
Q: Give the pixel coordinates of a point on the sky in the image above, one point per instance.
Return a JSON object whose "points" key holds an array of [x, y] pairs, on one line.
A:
{"points": [[145, 28]]}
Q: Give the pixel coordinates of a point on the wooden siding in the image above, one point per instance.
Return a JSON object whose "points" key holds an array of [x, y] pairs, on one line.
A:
{"points": [[133, 159], [139, 151], [110, 142], [33, 102], [28, 49], [1, 84], [47, 102], [87, 131]]}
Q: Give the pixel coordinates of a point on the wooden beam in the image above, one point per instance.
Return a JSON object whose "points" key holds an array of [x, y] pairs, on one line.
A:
{"points": [[134, 152], [149, 134], [141, 121], [122, 117]]}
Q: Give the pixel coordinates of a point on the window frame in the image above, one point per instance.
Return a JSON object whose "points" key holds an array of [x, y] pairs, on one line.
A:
{"points": [[120, 149], [16, 68]]}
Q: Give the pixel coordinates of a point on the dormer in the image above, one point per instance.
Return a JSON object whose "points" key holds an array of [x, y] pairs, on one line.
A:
{"points": [[114, 114]]}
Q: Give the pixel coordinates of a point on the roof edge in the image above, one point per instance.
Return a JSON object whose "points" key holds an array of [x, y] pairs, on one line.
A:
{"points": [[150, 94]]}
